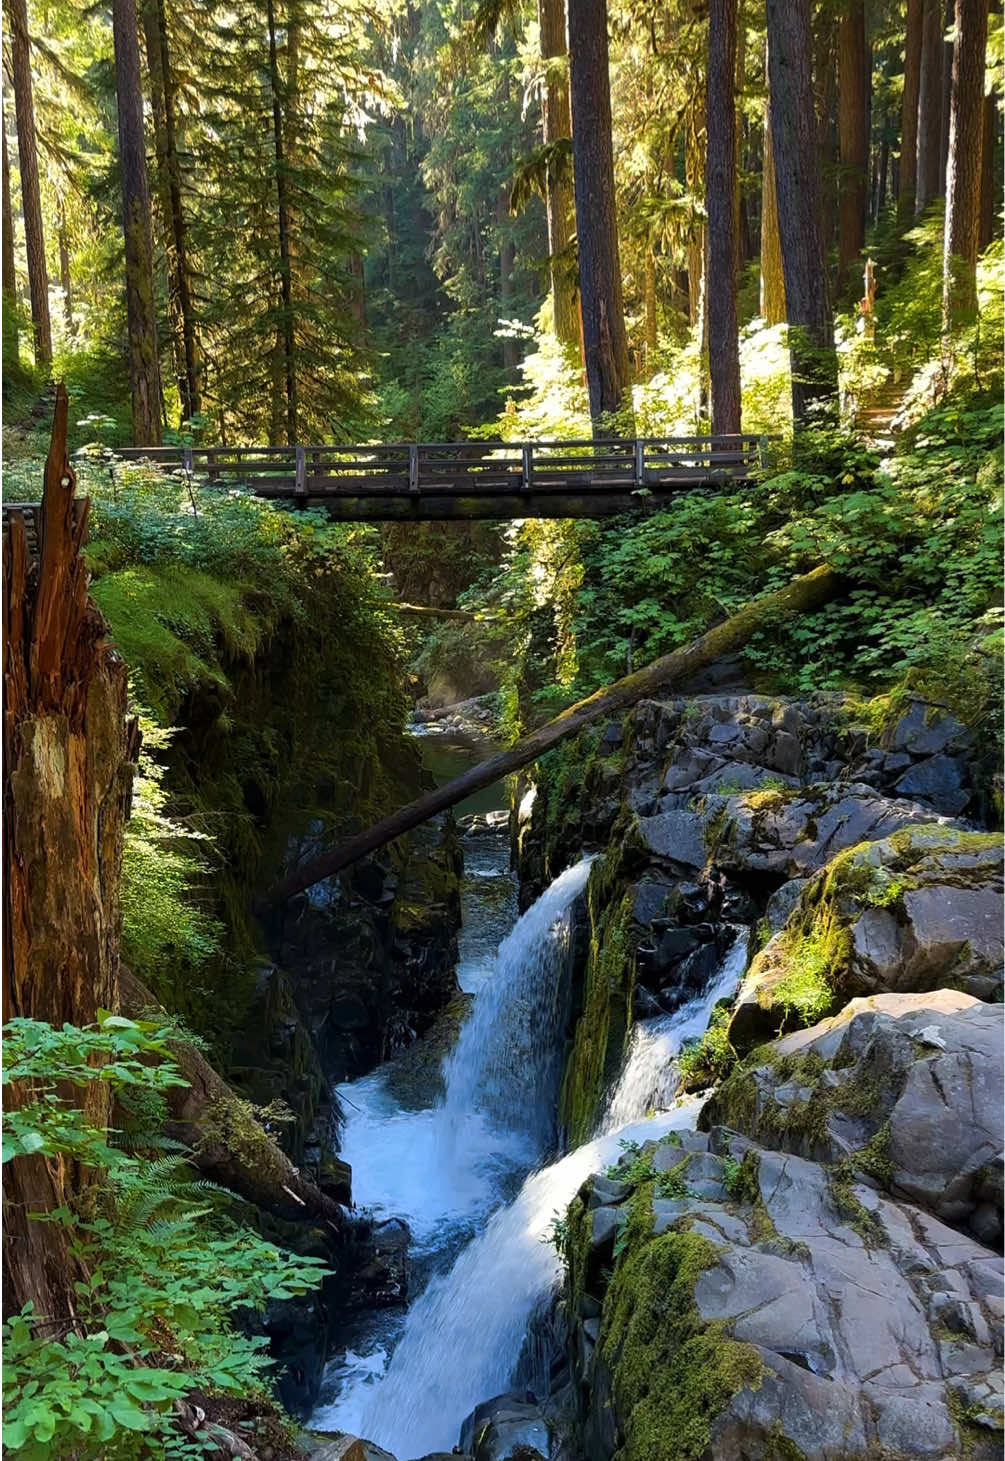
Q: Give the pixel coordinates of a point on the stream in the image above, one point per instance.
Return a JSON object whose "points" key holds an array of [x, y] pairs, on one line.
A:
{"points": [[467, 1159]]}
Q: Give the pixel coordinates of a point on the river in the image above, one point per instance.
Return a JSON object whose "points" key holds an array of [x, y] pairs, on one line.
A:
{"points": [[468, 1159]]}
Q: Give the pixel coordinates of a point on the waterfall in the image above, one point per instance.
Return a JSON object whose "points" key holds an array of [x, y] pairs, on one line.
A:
{"points": [[506, 1063], [462, 1337]]}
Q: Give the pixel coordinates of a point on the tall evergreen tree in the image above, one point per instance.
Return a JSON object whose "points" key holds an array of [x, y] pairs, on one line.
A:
{"points": [[31, 196], [174, 225], [557, 129], [720, 196], [908, 181], [772, 277], [10, 331], [963, 178], [930, 106], [793, 126], [144, 360], [853, 111], [605, 344]]}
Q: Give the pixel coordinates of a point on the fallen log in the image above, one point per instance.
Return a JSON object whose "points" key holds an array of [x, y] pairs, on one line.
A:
{"points": [[799, 597], [429, 611], [227, 1143]]}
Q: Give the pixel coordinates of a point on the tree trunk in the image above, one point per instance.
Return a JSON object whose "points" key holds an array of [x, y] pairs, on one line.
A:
{"points": [[69, 750], [11, 341], [989, 176], [650, 304], [948, 24], [772, 279], [853, 128], [720, 205], [144, 363], [930, 106], [512, 354], [908, 181], [793, 128], [31, 196], [557, 127], [174, 227], [828, 143], [227, 1144], [286, 336], [605, 343], [989, 172], [963, 178], [801, 596], [739, 127], [65, 282]]}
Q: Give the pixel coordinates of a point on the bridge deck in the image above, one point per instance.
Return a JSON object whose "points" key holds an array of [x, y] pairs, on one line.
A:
{"points": [[473, 479]]}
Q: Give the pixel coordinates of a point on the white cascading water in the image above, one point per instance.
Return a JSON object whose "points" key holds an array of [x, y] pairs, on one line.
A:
{"points": [[462, 1337]]}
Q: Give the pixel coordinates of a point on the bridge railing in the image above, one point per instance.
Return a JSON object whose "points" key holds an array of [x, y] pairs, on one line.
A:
{"points": [[468, 468]]}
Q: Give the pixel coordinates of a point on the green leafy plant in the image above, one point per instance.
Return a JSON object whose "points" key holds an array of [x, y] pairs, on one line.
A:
{"points": [[162, 1264]]}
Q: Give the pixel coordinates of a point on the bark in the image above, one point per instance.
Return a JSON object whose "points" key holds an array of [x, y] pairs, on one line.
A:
{"points": [[963, 179], [801, 596], [650, 304], [174, 226], [507, 258], [720, 203], [989, 178], [930, 106], [739, 126], [853, 127], [144, 362], [948, 25], [31, 196], [793, 128], [989, 172], [557, 126], [605, 344], [285, 331], [11, 344], [65, 282], [772, 278], [828, 144], [908, 180], [69, 750], [227, 1143]]}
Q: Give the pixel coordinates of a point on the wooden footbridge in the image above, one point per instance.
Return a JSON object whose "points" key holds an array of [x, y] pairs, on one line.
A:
{"points": [[436, 481]]}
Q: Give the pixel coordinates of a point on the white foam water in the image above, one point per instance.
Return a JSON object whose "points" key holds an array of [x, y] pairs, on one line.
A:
{"points": [[462, 1337]]}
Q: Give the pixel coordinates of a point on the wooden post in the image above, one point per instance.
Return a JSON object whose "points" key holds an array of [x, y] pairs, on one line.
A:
{"points": [[300, 485], [413, 468], [527, 479], [640, 463]]}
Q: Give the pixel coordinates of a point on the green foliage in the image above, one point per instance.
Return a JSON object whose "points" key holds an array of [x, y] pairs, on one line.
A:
{"points": [[43, 1061], [268, 667], [162, 1267], [710, 1059]]}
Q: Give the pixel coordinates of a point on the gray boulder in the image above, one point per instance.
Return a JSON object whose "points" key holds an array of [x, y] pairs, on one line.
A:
{"points": [[816, 1318], [906, 1089]]}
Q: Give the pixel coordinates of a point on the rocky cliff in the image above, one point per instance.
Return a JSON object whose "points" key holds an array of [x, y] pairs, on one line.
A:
{"points": [[816, 1272]]}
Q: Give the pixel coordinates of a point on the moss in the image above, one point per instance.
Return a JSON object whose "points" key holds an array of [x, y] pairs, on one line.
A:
{"points": [[710, 1059], [852, 1211], [672, 1373], [602, 1026]]}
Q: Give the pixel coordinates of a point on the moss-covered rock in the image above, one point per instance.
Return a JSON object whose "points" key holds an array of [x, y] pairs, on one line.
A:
{"points": [[918, 910], [784, 1311]]}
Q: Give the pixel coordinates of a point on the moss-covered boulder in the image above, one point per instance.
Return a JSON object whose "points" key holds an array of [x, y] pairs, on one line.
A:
{"points": [[727, 1301], [921, 909], [904, 1090]]}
